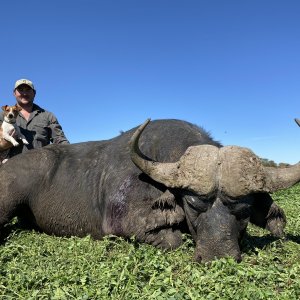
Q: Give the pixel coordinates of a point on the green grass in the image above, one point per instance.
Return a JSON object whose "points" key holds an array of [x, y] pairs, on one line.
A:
{"points": [[37, 266]]}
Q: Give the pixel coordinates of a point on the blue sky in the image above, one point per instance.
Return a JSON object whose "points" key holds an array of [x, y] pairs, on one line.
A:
{"points": [[230, 66]]}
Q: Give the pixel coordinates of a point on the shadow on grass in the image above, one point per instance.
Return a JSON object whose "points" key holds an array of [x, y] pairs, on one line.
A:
{"points": [[293, 238], [6, 231], [13, 228], [251, 243]]}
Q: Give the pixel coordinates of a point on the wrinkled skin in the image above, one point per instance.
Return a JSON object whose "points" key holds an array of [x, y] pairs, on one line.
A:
{"points": [[94, 188]]}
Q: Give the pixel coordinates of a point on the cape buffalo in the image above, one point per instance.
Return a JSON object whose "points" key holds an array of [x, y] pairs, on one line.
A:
{"points": [[178, 179]]}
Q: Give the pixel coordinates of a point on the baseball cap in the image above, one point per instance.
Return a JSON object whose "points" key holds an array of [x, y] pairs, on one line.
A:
{"points": [[24, 81]]}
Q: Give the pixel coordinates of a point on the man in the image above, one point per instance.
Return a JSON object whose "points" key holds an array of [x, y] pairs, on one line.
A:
{"points": [[39, 126]]}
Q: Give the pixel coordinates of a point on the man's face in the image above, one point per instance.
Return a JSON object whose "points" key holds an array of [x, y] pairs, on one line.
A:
{"points": [[24, 94]]}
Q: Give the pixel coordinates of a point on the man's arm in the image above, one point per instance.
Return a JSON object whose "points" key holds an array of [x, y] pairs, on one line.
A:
{"points": [[56, 132]]}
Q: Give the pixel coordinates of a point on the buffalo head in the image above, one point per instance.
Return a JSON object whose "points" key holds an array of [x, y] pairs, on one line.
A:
{"points": [[219, 187]]}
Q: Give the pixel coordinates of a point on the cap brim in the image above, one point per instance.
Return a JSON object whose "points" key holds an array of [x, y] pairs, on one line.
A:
{"points": [[24, 84]]}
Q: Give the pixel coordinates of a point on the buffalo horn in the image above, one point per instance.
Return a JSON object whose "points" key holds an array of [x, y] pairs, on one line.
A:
{"points": [[282, 178], [204, 168], [165, 173]]}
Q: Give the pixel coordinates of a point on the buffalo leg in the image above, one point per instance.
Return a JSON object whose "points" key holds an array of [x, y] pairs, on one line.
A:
{"points": [[7, 212]]}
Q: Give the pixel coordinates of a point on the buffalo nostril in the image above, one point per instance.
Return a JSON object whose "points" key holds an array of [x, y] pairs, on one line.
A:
{"points": [[197, 257], [238, 258]]}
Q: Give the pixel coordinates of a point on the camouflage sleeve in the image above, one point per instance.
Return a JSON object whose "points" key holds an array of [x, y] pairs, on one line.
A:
{"points": [[57, 135]]}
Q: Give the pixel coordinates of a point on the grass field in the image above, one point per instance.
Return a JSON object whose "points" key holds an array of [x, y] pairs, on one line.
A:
{"points": [[37, 266]]}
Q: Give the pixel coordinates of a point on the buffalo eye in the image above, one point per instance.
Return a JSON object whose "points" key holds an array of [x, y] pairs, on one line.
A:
{"points": [[196, 203]]}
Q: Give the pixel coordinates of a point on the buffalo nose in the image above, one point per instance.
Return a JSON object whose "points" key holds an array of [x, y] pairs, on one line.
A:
{"points": [[238, 258], [208, 257]]}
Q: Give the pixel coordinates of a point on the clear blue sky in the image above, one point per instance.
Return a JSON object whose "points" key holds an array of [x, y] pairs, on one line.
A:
{"points": [[230, 66]]}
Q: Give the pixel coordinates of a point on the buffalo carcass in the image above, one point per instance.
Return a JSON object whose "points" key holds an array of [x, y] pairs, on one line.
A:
{"points": [[184, 181]]}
